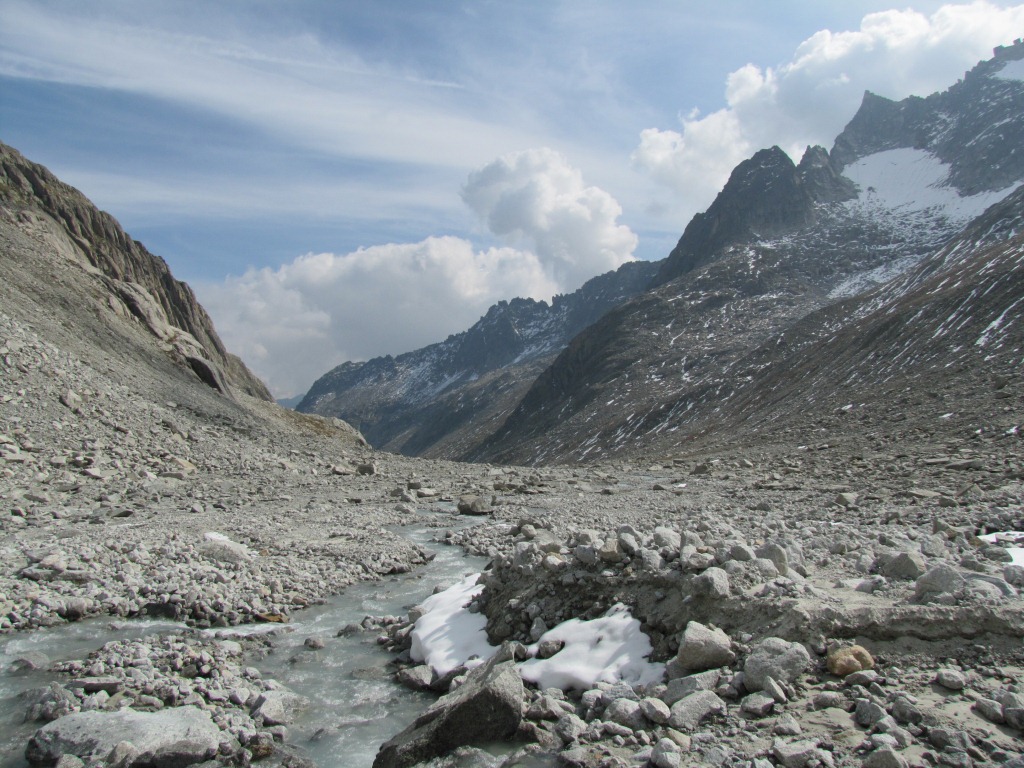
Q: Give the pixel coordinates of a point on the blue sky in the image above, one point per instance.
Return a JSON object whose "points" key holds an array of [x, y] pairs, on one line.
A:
{"points": [[344, 179]]}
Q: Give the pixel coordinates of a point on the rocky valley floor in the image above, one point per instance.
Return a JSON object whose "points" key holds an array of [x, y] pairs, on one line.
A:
{"points": [[747, 571]]}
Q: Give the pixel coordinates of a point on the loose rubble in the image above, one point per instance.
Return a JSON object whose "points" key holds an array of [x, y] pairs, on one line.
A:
{"points": [[807, 608]]}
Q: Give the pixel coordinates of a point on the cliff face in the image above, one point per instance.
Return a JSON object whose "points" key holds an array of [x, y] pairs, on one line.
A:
{"points": [[139, 284]]}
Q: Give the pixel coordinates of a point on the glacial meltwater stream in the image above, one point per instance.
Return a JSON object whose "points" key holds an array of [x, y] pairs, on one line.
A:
{"points": [[356, 705]]}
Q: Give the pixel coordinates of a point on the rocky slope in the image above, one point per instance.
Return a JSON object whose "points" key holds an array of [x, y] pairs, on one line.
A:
{"points": [[87, 245], [443, 399], [781, 242]]}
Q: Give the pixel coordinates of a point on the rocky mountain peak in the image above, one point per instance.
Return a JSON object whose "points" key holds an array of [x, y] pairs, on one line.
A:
{"points": [[764, 197]]}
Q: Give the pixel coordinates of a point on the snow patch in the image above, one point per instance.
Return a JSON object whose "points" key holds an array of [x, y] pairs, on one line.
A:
{"points": [[1013, 70], [911, 181], [1017, 537], [608, 649], [864, 281], [447, 636]]}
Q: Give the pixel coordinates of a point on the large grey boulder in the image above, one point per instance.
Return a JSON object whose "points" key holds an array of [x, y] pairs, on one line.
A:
{"points": [[701, 648], [776, 658], [486, 708], [687, 713], [174, 737]]}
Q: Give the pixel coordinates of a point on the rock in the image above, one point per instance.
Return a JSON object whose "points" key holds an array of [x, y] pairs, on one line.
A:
{"points": [[941, 579], [887, 757], [278, 707], [569, 727], [777, 554], [485, 708], [179, 736], [625, 712], [713, 583], [905, 565], [757, 704], [687, 713], [682, 687], [776, 658], [666, 754], [655, 710], [847, 500], [849, 659], [416, 678], [952, 679], [800, 754], [868, 713], [473, 505], [701, 648], [218, 547]]}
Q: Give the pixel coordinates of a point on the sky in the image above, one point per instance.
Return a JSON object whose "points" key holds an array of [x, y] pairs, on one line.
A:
{"points": [[339, 179]]}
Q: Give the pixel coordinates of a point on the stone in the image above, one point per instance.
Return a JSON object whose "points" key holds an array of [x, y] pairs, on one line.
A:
{"points": [[655, 710], [940, 580], [569, 727], [471, 504], [181, 736], [886, 757], [867, 713], [218, 547], [666, 754], [687, 713], [905, 565], [625, 712], [848, 659], [278, 707], [777, 554], [787, 725], [701, 648], [682, 687], [713, 584], [776, 658], [757, 704], [487, 707], [953, 679], [799, 754]]}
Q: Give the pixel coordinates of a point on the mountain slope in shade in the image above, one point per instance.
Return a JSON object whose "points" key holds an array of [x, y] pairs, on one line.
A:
{"points": [[774, 248], [445, 398]]}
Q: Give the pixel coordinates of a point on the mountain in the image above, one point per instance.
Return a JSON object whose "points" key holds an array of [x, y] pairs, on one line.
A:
{"points": [[773, 259], [445, 398], [85, 245]]}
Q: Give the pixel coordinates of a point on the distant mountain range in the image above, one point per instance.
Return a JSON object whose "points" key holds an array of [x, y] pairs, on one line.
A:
{"points": [[795, 271]]}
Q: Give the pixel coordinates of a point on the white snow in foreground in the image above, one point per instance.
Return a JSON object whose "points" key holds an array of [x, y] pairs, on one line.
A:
{"points": [[609, 649], [908, 181], [1013, 70], [447, 635], [1017, 553]]}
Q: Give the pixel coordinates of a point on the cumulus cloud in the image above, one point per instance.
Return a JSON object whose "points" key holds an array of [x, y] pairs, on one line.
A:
{"points": [[537, 199], [294, 323], [808, 99]]}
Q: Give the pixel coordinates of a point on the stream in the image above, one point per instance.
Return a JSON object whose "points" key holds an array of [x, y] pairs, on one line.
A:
{"points": [[356, 704]]}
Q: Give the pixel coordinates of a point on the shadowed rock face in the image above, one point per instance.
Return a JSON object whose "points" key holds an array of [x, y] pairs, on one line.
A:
{"points": [[137, 281]]}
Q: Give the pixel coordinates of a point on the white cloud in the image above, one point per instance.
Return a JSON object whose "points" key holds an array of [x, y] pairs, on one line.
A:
{"points": [[536, 198], [294, 323], [811, 97]]}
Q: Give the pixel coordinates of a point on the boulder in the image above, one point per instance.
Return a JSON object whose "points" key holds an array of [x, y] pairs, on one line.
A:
{"points": [[701, 648], [278, 707], [712, 583], [942, 579], [776, 658], [687, 713], [486, 708], [179, 736], [847, 660]]}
